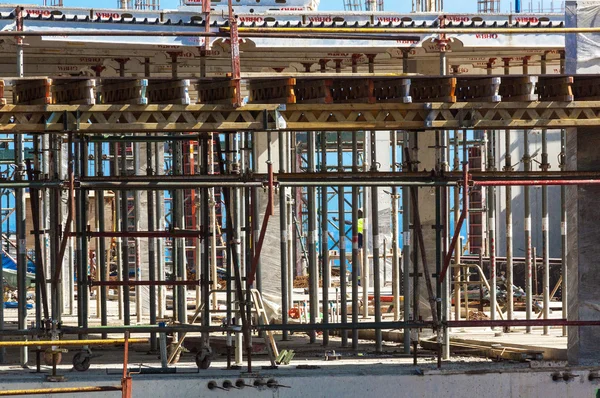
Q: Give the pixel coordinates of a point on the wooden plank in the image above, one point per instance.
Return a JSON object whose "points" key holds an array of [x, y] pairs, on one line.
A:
{"points": [[586, 88], [68, 91], [518, 88], [219, 92], [433, 89], [2, 98], [32, 92], [169, 92], [120, 91], [392, 90], [478, 89], [550, 88], [278, 91], [314, 91]]}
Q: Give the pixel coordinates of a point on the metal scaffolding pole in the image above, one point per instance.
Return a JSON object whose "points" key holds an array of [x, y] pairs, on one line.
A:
{"points": [[160, 225], [406, 252], [101, 257], [563, 232], [20, 205], [545, 232], [355, 249], [396, 273], [151, 246], [528, 265], [491, 208], [376, 247], [342, 242], [326, 270], [313, 266], [124, 241]]}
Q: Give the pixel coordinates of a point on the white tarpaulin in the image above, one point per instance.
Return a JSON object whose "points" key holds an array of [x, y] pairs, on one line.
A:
{"points": [[583, 49]]}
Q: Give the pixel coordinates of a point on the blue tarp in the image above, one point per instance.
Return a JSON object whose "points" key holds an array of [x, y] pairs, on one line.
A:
{"points": [[8, 263]]}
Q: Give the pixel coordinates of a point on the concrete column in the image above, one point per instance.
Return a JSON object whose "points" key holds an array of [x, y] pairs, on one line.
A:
{"points": [[583, 223]]}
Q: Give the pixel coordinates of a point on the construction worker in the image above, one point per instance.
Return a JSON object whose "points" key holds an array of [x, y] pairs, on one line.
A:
{"points": [[360, 227]]}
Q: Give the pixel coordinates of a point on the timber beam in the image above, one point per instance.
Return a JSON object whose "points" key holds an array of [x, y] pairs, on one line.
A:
{"points": [[121, 119]]}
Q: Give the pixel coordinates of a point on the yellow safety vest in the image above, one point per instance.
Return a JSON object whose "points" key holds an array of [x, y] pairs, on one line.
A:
{"points": [[361, 225]]}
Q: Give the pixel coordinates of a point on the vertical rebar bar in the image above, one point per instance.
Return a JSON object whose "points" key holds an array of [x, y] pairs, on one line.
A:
{"points": [[376, 245], [325, 239], [527, 215], [355, 249]]}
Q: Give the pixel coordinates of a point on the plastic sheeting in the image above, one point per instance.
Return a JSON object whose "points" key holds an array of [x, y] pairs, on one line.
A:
{"points": [[583, 49]]}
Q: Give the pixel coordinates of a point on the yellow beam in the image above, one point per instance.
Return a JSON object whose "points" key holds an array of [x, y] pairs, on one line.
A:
{"points": [[64, 343], [61, 390]]}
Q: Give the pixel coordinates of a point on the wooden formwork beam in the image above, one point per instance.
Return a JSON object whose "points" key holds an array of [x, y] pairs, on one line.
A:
{"points": [[168, 91], [73, 92], [221, 91], [32, 91], [122, 91], [518, 88], [278, 91]]}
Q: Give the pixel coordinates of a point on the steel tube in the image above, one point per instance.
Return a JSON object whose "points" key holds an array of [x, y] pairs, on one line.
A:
{"points": [[563, 233], [491, 212], [101, 263], [527, 215], [283, 222], [124, 240], [342, 242], [325, 266], [151, 246], [313, 268], [69, 343], [376, 247], [545, 233], [60, 390], [509, 229], [146, 283], [395, 249], [355, 249], [406, 254]]}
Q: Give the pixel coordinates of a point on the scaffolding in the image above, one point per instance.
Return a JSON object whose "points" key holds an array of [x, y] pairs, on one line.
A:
{"points": [[148, 144]]}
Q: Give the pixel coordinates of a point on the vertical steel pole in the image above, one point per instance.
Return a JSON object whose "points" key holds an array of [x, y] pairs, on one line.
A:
{"points": [[101, 242], [563, 231], [457, 254], [325, 239], [527, 168], [313, 268], [117, 227], [20, 205], [406, 252], [509, 217], [283, 226], [209, 245], [395, 250], [366, 267], [545, 232], [376, 246], [355, 249], [160, 225], [125, 241], [342, 240], [151, 247], [138, 253], [492, 224]]}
